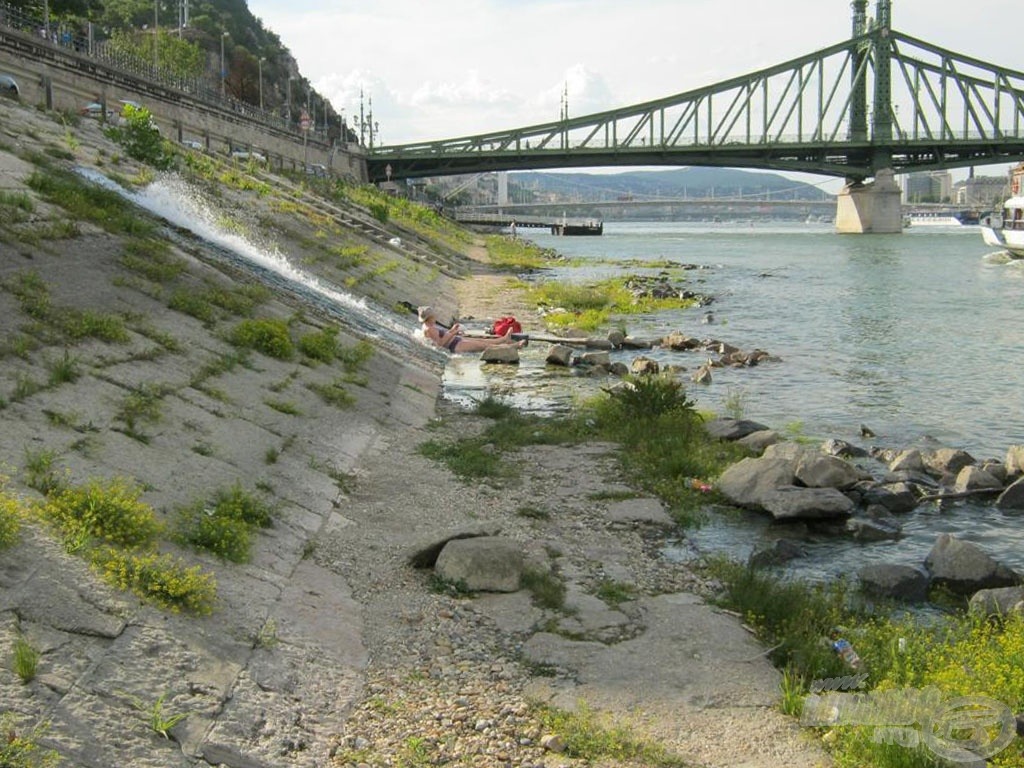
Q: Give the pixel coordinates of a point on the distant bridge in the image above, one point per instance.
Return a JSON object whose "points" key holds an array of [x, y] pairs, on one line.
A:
{"points": [[930, 108]]}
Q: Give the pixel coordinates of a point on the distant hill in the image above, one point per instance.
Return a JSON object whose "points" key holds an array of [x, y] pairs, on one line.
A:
{"points": [[673, 183]]}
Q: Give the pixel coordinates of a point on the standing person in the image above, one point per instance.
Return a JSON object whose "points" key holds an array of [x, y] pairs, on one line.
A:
{"points": [[452, 338]]}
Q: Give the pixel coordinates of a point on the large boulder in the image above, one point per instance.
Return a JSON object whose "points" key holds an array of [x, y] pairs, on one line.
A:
{"points": [[559, 354], [820, 471], [727, 428], [505, 354], [484, 564], [746, 482], [907, 461], [1015, 460], [974, 478], [424, 554], [947, 461], [895, 497], [792, 502], [836, 447], [756, 442], [1012, 499], [965, 568], [997, 602], [897, 582]]}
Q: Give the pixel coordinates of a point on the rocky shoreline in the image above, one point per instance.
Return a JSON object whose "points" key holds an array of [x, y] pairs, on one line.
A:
{"points": [[327, 647]]}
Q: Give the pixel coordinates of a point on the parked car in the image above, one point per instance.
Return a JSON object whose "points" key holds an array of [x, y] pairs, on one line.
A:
{"points": [[9, 86], [198, 146], [316, 170], [245, 156], [95, 109]]}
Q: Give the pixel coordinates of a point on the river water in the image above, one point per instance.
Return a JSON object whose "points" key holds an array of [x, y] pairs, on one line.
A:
{"points": [[918, 336]]}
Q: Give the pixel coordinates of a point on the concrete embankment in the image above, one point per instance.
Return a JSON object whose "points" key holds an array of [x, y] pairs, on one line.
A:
{"points": [[276, 665]]}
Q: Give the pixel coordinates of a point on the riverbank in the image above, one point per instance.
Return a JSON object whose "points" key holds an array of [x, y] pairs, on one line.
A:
{"points": [[125, 357]]}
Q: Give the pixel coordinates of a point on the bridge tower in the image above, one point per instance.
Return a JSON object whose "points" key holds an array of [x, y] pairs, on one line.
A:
{"points": [[871, 206]]}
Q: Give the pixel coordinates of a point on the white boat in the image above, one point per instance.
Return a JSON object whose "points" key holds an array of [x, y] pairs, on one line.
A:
{"points": [[940, 218], [1006, 231]]}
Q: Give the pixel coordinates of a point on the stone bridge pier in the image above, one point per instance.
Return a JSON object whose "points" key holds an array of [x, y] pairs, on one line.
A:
{"points": [[872, 207]]}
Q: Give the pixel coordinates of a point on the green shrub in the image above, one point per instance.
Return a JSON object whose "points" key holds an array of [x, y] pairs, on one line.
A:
{"points": [[19, 747], [25, 660], [320, 345], [163, 579], [270, 337], [353, 358], [141, 139], [238, 504], [224, 525], [106, 510], [588, 737], [10, 518], [152, 259], [646, 397], [203, 528]]}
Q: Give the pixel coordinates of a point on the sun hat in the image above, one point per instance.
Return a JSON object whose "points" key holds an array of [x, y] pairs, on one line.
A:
{"points": [[425, 313]]}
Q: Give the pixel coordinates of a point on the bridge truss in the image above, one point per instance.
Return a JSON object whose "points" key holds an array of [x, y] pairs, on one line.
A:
{"points": [[931, 109]]}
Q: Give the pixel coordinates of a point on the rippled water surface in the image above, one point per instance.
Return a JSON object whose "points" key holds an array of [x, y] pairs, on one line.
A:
{"points": [[917, 336]]}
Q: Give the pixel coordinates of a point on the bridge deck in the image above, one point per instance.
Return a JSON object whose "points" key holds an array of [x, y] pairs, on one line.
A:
{"points": [[559, 225]]}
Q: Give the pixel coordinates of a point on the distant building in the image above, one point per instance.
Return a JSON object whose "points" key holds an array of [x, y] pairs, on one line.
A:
{"points": [[985, 192], [928, 187]]}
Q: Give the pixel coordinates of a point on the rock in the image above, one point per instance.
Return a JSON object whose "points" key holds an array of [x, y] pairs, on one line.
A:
{"points": [[1012, 499], [643, 510], [900, 582], [841, 448], [599, 359], [758, 441], [818, 471], [726, 428], [632, 342], [996, 602], [618, 368], [873, 529], [616, 337], [1015, 460], [895, 497], [778, 552], [908, 461], [552, 742], [792, 502], [424, 555], [997, 469], [787, 450], [559, 354], [506, 354], [644, 366], [911, 477], [483, 564], [746, 482], [702, 375], [679, 342], [601, 344], [946, 461], [974, 478], [964, 567]]}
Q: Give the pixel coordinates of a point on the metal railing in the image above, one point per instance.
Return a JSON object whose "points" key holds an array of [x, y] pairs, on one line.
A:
{"points": [[81, 42]]}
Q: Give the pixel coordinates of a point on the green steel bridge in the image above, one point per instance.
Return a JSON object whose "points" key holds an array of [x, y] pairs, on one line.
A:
{"points": [[880, 100]]}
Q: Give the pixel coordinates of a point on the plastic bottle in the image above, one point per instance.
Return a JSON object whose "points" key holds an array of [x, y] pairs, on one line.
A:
{"points": [[846, 652]]}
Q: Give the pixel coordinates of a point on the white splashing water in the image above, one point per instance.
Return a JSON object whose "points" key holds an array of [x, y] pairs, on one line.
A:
{"points": [[171, 198]]}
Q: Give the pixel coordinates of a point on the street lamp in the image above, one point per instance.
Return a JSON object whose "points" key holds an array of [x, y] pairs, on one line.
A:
{"points": [[223, 72], [156, 34], [262, 59]]}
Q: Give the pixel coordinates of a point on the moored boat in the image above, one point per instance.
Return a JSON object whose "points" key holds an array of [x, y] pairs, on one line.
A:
{"points": [[1006, 229]]}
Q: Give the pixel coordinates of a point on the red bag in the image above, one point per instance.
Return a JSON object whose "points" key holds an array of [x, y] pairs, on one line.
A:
{"points": [[505, 324]]}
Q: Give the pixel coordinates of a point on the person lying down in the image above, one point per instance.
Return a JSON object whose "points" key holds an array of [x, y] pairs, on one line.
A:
{"points": [[452, 338]]}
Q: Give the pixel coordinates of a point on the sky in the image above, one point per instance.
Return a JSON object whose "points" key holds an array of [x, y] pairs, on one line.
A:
{"points": [[438, 69]]}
